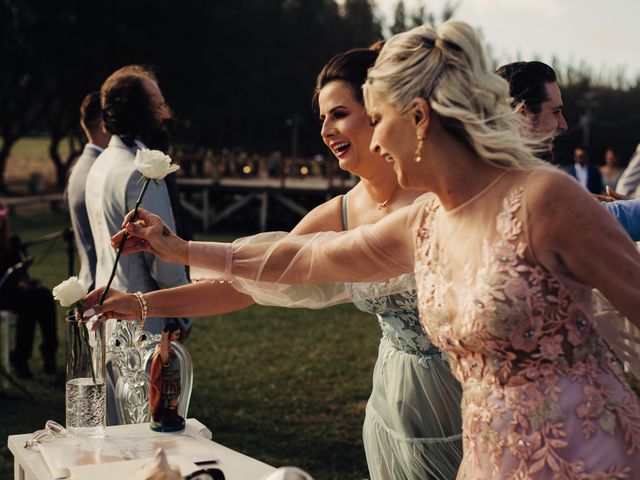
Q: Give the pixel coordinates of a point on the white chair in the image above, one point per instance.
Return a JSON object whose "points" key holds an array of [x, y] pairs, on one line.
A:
{"points": [[128, 359]]}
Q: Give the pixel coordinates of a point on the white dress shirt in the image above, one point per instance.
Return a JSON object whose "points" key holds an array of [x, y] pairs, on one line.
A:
{"points": [[582, 173]]}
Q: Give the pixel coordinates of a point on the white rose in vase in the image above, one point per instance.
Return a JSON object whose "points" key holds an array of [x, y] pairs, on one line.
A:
{"points": [[70, 292], [154, 164]]}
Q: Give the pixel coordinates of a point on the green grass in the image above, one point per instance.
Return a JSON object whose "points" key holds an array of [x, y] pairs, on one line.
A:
{"points": [[285, 386], [35, 146]]}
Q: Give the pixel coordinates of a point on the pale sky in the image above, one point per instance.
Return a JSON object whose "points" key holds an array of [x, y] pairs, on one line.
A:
{"points": [[604, 34]]}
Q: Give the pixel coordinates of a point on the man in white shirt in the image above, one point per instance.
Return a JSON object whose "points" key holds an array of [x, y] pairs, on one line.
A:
{"points": [[97, 140], [135, 113]]}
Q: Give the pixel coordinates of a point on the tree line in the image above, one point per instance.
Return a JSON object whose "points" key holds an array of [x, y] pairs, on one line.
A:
{"points": [[237, 74]]}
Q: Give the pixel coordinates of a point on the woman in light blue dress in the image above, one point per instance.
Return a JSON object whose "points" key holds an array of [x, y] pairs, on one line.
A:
{"points": [[412, 428], [412, 421]]}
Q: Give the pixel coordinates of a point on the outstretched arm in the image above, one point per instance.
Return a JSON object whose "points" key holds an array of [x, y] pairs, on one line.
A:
{"points": [[371, 252], [368, 253], [193, 300]]}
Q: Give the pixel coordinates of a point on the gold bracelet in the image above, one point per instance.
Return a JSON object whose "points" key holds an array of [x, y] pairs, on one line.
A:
{"points": [[143, 309]]}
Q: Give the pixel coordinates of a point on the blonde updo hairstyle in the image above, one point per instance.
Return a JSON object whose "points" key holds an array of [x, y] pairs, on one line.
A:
{"points": [[448, 68]]}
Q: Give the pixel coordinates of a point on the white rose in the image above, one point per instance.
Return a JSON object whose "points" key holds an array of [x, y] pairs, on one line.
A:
{"points": [[154, 164], [70, 292], [288, 473]]}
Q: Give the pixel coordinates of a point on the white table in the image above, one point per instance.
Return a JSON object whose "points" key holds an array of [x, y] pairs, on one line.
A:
{"points": [[30, 465]]}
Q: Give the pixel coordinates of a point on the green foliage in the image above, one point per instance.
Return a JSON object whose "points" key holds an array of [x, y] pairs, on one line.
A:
{"points": [[601, 112], [233, 72], [285, 386]]}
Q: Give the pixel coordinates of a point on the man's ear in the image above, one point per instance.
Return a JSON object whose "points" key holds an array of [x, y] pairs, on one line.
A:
{"points": [[421, 114], [523, 109]]}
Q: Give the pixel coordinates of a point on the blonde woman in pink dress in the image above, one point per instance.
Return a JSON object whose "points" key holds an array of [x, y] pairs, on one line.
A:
{"points": [[504, 253]]}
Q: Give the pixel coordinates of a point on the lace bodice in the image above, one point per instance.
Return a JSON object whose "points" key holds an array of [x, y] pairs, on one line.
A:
{"points": [[397, 314], [520, 340]]}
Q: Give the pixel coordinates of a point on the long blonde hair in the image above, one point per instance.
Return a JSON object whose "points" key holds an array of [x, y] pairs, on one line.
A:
{"points": [[449, 69]]}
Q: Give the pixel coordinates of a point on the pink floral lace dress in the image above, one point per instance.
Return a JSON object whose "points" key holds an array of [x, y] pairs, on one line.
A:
{"points": [[542, 397]]}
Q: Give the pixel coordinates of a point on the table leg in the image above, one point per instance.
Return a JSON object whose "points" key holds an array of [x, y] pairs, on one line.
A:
{"points": [[205, 209], [263, 211]]}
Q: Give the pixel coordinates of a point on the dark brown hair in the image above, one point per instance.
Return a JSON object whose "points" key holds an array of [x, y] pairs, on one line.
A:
{"points": [[126, 107], [527, 82], [350, 67], [91, 111]]}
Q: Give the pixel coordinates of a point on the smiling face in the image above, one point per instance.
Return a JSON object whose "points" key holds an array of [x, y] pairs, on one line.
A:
{"points": [[395, 139], [345, 126]]}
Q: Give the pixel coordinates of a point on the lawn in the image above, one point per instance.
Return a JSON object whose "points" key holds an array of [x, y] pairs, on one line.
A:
{"points": [[33, 146], [285, 386]]}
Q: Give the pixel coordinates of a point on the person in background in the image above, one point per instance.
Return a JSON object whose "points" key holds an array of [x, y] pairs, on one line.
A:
{"points": [[535, 94], [587, 174], [611, 170], [135, 114], [29, 299], [97, 140], [630, 178]]}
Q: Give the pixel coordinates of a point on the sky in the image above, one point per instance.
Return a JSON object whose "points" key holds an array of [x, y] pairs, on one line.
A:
{"points": [[603, 34]]}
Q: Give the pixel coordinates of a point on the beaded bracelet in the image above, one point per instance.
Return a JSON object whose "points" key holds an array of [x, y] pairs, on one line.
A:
{"points": [[143, 309]]}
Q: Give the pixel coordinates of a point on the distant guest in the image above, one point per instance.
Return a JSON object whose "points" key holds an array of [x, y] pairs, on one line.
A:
{"points": [[611, 170], [29, 299], [585, 172]]}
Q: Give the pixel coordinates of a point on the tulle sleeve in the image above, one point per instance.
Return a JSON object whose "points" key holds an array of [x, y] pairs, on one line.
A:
{"points": [[312, 270], [622, 336]]}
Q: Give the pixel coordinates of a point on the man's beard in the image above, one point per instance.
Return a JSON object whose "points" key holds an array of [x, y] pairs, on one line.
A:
{"points": [[159, 137]]}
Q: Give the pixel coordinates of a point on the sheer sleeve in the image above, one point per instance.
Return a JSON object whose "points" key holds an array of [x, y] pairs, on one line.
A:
{"points": [[271, 266]]}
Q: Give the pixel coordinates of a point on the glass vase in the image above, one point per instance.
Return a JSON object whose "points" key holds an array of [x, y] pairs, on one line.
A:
{"points": [[85, 396]]}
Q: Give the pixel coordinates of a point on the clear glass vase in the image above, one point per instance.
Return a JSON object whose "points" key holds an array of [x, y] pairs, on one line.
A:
{"points": [[85, 396]]}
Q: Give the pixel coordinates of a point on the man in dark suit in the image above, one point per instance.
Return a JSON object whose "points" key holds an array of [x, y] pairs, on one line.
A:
{"points": [[585, 172], [97, 141]]}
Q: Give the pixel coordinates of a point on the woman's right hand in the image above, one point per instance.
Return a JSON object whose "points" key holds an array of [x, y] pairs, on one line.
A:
{"points": [[148, 233], [120, 305]]}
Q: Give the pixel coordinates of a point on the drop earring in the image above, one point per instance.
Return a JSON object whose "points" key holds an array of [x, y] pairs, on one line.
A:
{"points": [[418, 158]]}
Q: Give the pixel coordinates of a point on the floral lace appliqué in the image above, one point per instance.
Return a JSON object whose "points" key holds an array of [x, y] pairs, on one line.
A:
{"points": [[523, 349]]}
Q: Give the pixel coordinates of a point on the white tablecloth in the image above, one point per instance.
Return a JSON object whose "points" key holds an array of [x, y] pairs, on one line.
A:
{"points": [[125, 449]]}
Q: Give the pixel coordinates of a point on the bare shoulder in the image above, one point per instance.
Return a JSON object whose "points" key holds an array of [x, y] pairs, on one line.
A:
{"points": [[552, 195], [564, 220], [554, 183], [325, 217]]}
